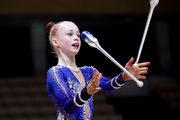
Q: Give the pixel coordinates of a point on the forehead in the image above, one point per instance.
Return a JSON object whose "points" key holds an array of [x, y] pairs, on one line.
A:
{"points": [[65, 26]]}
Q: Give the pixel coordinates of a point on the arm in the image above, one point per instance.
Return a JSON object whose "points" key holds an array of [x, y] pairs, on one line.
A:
{"points": [[119, 80], [70, 103], [111, 85], [98, 82]]}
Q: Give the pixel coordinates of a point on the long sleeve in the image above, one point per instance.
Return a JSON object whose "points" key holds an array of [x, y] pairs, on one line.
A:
{"points": [[110, 85], [58, 90]]}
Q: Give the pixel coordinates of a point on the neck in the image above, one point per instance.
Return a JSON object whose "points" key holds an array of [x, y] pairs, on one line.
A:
{"points": [[67, 61]]}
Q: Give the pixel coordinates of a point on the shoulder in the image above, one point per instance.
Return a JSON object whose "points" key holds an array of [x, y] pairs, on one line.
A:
{"points": [[54, 69], [54, 72], [56, 76], [50, 70], [87, 68]]}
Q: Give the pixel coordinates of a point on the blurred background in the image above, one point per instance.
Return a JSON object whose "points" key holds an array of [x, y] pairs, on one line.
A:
{"points": [[119, 25]]}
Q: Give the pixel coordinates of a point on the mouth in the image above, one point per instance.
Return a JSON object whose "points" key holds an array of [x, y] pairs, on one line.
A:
{"points": [[75, 45]]}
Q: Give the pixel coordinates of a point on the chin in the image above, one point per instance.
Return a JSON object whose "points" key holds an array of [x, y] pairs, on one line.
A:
{"points": [[75, 53]]}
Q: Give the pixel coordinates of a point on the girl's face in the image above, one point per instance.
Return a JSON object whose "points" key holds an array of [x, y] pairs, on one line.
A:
{"points": [[68, 39]]}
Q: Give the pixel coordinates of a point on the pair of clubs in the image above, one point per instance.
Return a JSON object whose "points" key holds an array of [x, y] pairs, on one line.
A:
{"points": [[93, 42]]}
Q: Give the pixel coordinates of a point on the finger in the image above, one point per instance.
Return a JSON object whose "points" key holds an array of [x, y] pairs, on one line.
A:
{"points": [[143, 68], [143, 72], [99, 76], [98, 88], [143, 64], [97, 80], [93, 81], [130, 62], [94, 75], [142, 77]]}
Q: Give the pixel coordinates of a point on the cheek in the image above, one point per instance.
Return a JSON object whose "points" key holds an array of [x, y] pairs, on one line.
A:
{"points": [[67, 43], [64, 42]]}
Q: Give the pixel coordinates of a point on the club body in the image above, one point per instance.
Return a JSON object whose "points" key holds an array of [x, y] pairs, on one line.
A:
{"points": [[153, 4]]}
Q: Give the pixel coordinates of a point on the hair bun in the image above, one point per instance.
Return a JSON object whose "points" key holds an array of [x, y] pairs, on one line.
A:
{"points": [[49, 26]]}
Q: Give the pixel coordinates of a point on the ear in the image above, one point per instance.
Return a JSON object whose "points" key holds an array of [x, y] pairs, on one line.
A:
{"points": [[55, 42]]}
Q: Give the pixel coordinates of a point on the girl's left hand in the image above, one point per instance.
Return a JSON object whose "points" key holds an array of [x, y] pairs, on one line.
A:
{"points": [[135, 72]]}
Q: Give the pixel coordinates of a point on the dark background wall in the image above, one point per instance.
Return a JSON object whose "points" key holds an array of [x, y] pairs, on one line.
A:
{"points": [[120, 35], [118, 25]]}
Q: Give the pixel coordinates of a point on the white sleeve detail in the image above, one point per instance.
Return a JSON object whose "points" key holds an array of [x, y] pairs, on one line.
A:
{"points": [[114, 86], [76, 102]]}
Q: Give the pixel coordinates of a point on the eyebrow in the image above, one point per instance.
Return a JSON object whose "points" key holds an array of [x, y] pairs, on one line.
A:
{"points": [[72, 31]]}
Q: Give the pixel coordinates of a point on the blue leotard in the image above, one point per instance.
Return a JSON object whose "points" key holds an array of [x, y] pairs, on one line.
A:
{"points": [[69, 97]]}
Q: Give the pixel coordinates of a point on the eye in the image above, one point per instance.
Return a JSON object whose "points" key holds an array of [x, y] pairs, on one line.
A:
{"points": [[70, 34], [78, 36]]}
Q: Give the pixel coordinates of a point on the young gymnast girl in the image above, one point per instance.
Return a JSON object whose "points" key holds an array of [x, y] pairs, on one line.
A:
{"points": [[71, 88]]}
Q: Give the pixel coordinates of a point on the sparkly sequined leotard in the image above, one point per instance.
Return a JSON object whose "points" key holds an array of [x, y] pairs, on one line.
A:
{"points": [[68, 95]]}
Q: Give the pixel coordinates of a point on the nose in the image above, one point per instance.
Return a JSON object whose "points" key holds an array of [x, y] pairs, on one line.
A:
{"points": [[77, 38]]}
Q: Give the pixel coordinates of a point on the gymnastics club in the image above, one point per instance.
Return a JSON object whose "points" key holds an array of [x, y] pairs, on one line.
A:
{"points": [[93, 42], [153, 4]]}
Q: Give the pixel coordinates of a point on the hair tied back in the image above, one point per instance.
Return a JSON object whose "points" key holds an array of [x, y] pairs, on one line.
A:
{"points": [[49, 26]]}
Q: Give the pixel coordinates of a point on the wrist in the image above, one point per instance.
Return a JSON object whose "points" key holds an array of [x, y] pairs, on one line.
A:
{"points": [[124, 78], [117, 82], [81, 97], [87, 90], [84, 94]]}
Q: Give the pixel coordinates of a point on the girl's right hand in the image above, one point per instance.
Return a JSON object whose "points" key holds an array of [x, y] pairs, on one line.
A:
{"points": [[93, 86]]}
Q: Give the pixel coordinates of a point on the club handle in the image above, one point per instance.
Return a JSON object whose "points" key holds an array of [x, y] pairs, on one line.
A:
{"points": [[140, 83]]}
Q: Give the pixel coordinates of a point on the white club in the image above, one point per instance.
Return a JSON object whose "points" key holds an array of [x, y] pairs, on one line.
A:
{"points": [[153, 4], [93, 42]]}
